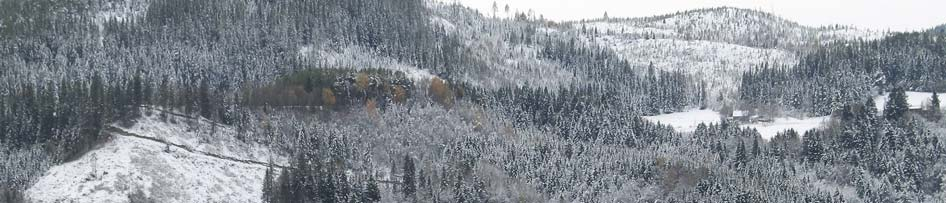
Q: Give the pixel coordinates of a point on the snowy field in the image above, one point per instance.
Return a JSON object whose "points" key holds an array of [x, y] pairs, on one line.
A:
{"points": [[769, 130], [190, 170], [916, 100], [688, 120]]}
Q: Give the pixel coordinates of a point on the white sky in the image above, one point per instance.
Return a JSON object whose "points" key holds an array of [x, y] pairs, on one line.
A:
{"points": [[895, 15]]}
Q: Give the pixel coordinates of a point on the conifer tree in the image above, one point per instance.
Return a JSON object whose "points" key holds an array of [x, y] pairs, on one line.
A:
{"points": [[373, 193], [935, 110], [896, 106], [409, 187]]}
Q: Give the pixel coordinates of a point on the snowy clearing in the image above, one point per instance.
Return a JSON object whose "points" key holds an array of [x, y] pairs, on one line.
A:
{"points": [[916, 100], [359, 58], [769, 130], [688, 120], [129, 167]]}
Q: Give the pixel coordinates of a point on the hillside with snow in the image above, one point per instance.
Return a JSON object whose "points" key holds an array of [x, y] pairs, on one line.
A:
{"points": [[504, 52], [719, 65], [729, 25], [714, 45], [176, 159]]}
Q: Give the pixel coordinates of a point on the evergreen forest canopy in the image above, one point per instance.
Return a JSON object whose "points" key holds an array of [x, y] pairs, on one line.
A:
{"points": [[69, 71]]}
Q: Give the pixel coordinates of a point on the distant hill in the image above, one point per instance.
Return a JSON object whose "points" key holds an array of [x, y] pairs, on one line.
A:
{"points": [[731, 25], [940, 29]]}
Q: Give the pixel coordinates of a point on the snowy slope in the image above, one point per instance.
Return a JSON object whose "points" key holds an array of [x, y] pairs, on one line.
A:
{"points": [[714, 45], [720, 65], [163, 162], [500, 61]]}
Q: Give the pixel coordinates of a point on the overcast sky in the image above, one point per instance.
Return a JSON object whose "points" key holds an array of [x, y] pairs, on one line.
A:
{"points": [[895, 15]]}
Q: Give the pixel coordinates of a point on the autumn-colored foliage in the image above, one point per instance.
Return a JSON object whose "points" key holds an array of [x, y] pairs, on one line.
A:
{"points": [[362, 81], [371, 107], [328, 97], [440, 91], [400, 94]]}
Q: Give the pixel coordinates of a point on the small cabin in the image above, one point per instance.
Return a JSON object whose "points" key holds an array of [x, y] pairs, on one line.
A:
{"points": [[740, 116]]}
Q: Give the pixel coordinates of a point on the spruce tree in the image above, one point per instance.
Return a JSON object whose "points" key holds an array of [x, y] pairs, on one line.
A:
{"points": [[935, 111], [756, 150], [409, 186], [741, 156], [203, 100], [268, 186], [373, 193], [897, 105], [934, 102], [812, 148]]}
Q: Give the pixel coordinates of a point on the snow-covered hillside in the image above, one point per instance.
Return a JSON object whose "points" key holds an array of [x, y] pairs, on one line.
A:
{"points": [[163, 162], [714, 45], [720, 65], [502, 62], [729, 25]]}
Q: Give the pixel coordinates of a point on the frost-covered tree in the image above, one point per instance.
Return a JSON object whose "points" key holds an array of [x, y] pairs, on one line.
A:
{"points": [[896, 107]]}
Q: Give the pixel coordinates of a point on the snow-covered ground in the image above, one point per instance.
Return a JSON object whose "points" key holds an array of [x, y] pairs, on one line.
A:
{"points": [[612, 28], [916, 100], [358, 58], [688, 120], [853, 34], [129, 167], [769, 130]]}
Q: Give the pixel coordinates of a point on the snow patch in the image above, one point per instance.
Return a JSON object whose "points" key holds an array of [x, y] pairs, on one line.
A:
{"points": [[686, 121], [769, 130], [916, 100], [359, 58], [447, 25]]}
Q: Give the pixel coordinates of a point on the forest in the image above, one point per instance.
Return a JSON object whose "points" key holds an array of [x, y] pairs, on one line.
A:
{"points": [[364, 130]]}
